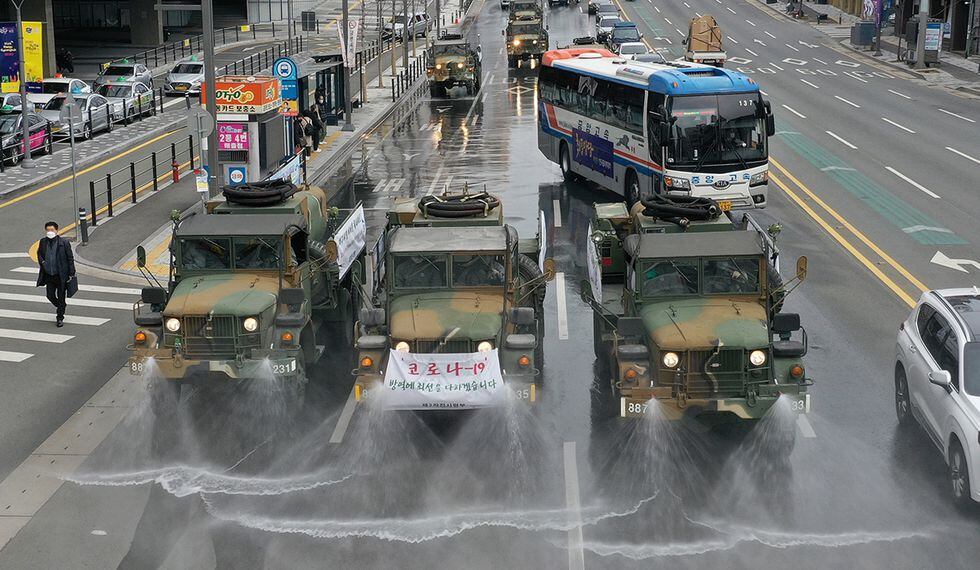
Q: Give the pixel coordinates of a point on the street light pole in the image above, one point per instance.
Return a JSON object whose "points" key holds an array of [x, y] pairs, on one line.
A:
{"points": [[381, 26], [405, 33], [26, 133], [207, 17], [920, 46], [289, 27], [348, 108]]}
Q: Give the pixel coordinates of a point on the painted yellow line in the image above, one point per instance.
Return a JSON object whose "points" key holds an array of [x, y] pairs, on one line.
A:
{"points": [[864, 239], [87, 170], [843, 241], [152, 255]]}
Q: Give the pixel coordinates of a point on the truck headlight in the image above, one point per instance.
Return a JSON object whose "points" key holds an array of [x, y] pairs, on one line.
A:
{"points": [[677, 183], [759, 178], [173, 325], [459, 65], [438, 66], [402, 346], [250, 324], [671, 360], [485, 346], [757, 358], [517, 42]]}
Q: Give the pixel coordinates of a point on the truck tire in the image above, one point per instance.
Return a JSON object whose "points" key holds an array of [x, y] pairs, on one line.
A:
{"points": [[600, 346], [528, 269]]}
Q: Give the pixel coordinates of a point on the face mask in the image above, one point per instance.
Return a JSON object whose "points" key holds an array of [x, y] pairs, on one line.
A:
{"points": [[50, 235]]}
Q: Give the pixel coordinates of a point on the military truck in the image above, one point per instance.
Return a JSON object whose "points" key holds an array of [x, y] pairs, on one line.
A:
{"points": [[526, 33], [704, 42], [259, 282], [453, 62], [687, 312], [457, 312]]}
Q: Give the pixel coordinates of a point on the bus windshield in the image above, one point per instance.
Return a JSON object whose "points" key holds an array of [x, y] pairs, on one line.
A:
{"points": [[716, 129]]}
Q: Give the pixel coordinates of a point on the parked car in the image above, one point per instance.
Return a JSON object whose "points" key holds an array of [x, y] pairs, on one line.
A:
{"points": [[630, 50], [96, 115], [9, 102], [124, 71], [937, 381], [605, 26], [623, 32], [12, 139], [605, 8], [128, 99], [418, 25], [650, 57], [54, 86], [185, 78]]}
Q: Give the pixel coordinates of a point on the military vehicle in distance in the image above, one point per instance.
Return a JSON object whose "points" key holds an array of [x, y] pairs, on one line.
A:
{"points": [[252, 280], [453, 281], [686, 307], [453, 62], [526, 33]]}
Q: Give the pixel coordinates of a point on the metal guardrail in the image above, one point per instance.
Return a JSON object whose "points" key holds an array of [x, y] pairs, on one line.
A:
{"points": [[407, 76], [175, 51], [264, 59], [140, 175]]}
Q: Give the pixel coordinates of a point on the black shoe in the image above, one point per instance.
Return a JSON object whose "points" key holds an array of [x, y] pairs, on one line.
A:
{"points": [[61, 322]]}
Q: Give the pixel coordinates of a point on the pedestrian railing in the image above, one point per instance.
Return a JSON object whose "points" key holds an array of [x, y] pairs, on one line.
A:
{"points": [[111, 190], [405, 80], [180, 49], [260, 60]]}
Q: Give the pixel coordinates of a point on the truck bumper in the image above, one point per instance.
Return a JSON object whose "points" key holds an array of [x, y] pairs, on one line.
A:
{"points": [[280, 363], [636, 402]]}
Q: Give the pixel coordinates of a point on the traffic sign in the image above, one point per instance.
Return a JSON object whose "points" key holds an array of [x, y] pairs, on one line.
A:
{"points": [[285, 68], [200, 122], [70, 111]]}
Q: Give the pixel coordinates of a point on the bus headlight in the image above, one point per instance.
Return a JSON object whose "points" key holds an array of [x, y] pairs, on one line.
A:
{"points": [[677, 183], [759, 178], [402, 346], [173, 325], [671, 360], [485, 346], [757, 358], [251, 324]]}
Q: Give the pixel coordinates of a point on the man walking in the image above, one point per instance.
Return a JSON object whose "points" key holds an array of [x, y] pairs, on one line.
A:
{"points": [[57, 267]]}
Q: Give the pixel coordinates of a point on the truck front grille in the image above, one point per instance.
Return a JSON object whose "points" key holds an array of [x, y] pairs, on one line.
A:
{"points": [[206, 337], [728, 369], [451, 347]]}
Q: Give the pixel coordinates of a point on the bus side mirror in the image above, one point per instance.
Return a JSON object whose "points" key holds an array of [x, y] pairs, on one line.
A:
{"points": [[801, 268], [770, 125], [141, 257], [664, 132]]}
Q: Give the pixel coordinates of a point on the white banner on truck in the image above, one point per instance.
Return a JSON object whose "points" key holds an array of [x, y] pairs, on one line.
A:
{"points": [[350, 240], [442, 381], [595, 270], [542, 241]]}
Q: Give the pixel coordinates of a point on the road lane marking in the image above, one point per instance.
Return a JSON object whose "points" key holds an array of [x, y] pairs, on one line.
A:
{"points": [[668, 22], [891, 122], [964, 155], [557, 213], [794, 111], [955, 115], [805, 428], [73, 302], [13, 255], [573, 504], [678, 30], [810, 84], [843, 241], [729, 9], [850, 227], [776, 66], [686, 4], [432, 186], [657, 9], [343, 422], [912, 182], [852, 76], [855, 105], [49, 317], [760, 42], [89, 288], [114, 158], [751, 23], [768, 34], [562, 307], [752, 52], [474, 120], [792, 48], [899, 94], [381, 183], [841, 140], [733, 40], [763, 92], [8, 356], [35, 336], [820, 60]]}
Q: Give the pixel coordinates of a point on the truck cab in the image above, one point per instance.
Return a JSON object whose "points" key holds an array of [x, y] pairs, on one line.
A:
{"points": [[453, 62], [687, 315]]}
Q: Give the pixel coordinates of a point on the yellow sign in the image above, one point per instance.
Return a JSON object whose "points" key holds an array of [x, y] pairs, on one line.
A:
{"points": [[33, 51], [245, 28], [187, 42]]}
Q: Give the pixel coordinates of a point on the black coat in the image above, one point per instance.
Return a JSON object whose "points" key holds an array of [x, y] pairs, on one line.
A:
{"points": [[66, 259]]}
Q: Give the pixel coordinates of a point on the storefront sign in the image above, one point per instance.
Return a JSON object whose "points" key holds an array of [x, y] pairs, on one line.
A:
{"points": [[232, 136], [416, 381], [350, 239], [251, 95], [593, 152]]}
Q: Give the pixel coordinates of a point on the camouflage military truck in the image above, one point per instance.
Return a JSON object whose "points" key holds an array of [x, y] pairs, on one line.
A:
{"points": [[453, 62], [457, 295], [526, 33], [258, 283], [686, 311]]}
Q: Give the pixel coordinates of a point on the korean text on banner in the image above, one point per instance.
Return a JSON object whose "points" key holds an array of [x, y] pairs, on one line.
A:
{"points": [[595, 270], [353, 28], [542, 241], [416, 381], [9, 60], [350, 240], [593, 152], [33, 52]]}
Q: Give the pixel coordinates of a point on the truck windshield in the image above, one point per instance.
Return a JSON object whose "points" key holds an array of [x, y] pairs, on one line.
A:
{"points": [[478, 270], [716, 129], [257, 253], [731, 275], [525, 28], [421, 271], [629, 34], [669, 277], [205, 253], [450, 50]]}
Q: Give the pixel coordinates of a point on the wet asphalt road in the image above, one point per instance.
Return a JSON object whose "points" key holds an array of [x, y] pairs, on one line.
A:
{"points": [[499, 489]]}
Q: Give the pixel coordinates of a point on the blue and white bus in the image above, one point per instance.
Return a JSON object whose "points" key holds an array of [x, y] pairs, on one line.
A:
{"points": [[638, 128]]}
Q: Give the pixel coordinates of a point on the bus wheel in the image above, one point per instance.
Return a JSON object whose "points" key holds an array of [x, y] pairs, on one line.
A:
{"points": [[565, 163], [631, 189]]}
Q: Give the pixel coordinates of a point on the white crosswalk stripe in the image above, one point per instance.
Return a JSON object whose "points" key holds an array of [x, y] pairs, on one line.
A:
{"points": [[75, 302], [7, 356], [49, 317], [82, 287], [35, 336]]}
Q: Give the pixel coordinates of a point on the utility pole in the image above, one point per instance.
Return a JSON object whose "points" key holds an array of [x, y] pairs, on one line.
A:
{"points": [[394, 57], [360, 60], [289, 27], [438, 19], [348, 109], [920, 46], [405, 33], [381, 26], [207, 18], [26, 133]]}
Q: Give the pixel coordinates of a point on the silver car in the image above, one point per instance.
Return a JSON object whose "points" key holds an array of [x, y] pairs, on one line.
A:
{"points": [[96, 115], [9, 102], [185, 78], [129, 99], [125, 71], [54, 86], [418, 25]]}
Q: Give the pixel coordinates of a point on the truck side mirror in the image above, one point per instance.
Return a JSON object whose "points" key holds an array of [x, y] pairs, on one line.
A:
{"points": [[292, 296], [153, 295], [785, 322], [141, 257], [522, 316], [372, 317], [631, 326], [801, 268]]}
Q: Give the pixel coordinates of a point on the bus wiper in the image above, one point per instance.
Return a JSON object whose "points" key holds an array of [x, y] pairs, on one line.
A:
{"points": [[710, 149]]}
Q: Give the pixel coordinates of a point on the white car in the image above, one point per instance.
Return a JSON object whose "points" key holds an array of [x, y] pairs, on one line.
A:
{"points": [[630, 50], [937, 381], [185, 78], [55, 86]]}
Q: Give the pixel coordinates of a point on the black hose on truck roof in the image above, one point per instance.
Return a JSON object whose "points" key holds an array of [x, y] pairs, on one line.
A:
{"points": [[265, 193]]}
